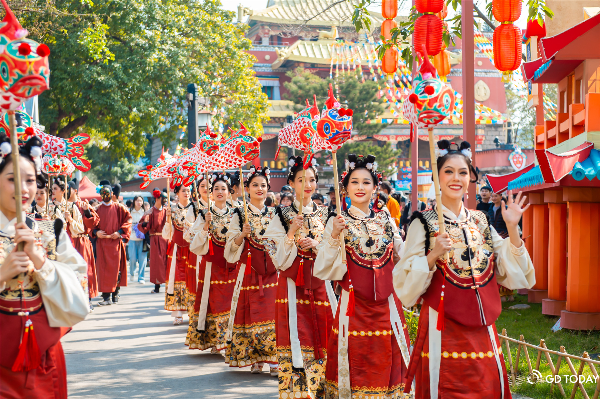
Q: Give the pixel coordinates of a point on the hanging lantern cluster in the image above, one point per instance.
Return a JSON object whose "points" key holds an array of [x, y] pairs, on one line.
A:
{"points": [[389, 10], [429, 28], [507, 37], [441, 62]]}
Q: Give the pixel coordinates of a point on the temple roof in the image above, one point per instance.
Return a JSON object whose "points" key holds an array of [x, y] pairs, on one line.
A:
{"points": [[299, 11]]}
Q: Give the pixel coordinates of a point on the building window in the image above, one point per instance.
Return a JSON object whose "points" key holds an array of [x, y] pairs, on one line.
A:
{"points": [[268, 90]]}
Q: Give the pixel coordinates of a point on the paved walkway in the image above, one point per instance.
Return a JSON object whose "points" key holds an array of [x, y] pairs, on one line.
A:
{"points": [[133, 350]]}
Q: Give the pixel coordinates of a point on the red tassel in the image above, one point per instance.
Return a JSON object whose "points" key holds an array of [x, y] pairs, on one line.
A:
{"points": [[28, 357], [210, 246], [350, 310], [440, 321], [248, 264], [300, 276]]}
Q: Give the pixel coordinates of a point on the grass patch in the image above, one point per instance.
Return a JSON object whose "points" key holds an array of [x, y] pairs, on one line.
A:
{"points": [[534, 326]]}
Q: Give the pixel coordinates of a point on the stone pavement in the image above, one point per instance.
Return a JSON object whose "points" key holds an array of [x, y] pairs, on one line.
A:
{"points": [[133, 350]]}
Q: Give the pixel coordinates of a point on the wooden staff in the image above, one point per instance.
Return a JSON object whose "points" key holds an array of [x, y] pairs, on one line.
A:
{"points": [[336, 186], [48, 196], [436, 186], [14, 144], [207, 189], [169, 193], [244, 194]]}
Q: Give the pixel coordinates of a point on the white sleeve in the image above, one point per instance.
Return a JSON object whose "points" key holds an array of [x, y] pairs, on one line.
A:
{"points": [[282, 250], [188, 222], [398, 242], [233, 252], [62, 294], [199, 237], [76, 226], [513, 266], [412, 275], [168, 230], [328, 264]]}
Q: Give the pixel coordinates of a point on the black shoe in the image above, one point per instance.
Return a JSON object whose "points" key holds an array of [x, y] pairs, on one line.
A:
{"points": [[115, 299], [105, 303]]}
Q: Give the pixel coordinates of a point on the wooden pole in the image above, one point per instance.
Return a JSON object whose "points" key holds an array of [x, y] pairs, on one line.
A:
{"points": [[436, 185], [14, 143], [169, 192], [48, 196], [243, 193], [207, 189], [468, 92], [338, 205]]}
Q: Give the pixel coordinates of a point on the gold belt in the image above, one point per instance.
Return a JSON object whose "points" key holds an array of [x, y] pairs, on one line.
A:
{"points": [[156, 234], [79, 235]]}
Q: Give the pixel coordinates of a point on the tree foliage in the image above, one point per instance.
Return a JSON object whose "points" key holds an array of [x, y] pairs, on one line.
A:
{"points": [[385, 155], [521, 116], [360, 97], [106, 168], [120, 67]]}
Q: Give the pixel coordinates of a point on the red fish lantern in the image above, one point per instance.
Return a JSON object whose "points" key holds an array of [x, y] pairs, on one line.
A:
{"points": [[507, 37]]}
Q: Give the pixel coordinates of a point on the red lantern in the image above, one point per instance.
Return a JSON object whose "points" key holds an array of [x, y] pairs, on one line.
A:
{"points": [[433, 6], [506, 10], [389, 63], [534, 29], [441, 62], [507, 49], [386, 28], [428, 32], [389, 9]]}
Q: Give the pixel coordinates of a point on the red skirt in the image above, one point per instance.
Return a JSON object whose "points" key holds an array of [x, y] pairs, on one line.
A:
{"points": [[468, 365], [376, 366], [177, 299], [83, 245]]}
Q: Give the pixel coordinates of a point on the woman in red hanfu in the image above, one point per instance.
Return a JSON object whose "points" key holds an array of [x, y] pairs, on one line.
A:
{"points": [[40, 295], [251, 329], [305, 305], [368, 348], [457, 353], [215, 285], [179, 257]]}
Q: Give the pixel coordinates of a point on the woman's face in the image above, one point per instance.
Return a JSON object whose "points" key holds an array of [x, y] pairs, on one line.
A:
{"points": [[184, 194], [309, 187], [202, 189], [360, 187], [286, 201], [220, 191], [454, 178], [258, 188], [139, 202], [7, 187], [57, 192], [41, 196]]}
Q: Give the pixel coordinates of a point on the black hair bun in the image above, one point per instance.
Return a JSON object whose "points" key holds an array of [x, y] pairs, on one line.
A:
{"points": [[443, 144], [465, 145]]}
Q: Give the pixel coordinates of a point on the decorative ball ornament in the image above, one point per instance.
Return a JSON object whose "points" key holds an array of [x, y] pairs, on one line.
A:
{"points": [[428, 6], [534, 29], [389, 9], [428, 31], [389, 63]]}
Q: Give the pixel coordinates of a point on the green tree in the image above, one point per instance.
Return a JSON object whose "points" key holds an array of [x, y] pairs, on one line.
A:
{"points": [[120, 68], [385, 155], [360, 97], [521, 116], [106, 168]]}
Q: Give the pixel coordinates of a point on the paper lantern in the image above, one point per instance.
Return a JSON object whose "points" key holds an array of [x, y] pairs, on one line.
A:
{"points": [[389, 9], [506, 10], [428, 32], [441, 62], [507, 49], [386, 28], [433, 6], [389, 63], [534, 29]]}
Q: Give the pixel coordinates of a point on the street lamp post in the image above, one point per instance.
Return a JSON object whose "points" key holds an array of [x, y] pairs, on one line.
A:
{"points": [[192, 97]]}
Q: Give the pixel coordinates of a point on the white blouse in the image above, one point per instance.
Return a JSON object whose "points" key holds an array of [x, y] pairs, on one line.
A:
{"points": [[412, 275], [329, 265], [199, 243], [232, 251], [63, 297], [76, 226]]}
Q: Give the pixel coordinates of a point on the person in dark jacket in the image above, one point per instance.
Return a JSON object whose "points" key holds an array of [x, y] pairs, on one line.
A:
{"points": [[495, 215], [485, 205]]}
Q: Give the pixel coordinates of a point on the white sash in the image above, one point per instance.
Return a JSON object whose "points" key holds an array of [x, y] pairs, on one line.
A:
{"points": [[204, 300], [171, 285], [234, 301]]}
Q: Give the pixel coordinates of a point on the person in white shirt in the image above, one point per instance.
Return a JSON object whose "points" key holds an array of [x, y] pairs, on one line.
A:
{"points": [[135, 247]]}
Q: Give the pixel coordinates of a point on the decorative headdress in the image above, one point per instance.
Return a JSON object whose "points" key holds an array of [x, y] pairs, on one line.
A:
{"points": [[235, 179], [31, 149], [360, 161], [296, 164], [253, 172], [445, 147], [216, 177]]}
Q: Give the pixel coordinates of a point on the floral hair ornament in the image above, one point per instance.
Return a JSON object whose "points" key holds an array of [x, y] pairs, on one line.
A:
{"points": [[217, 177], [253, 172], [446, 147]]}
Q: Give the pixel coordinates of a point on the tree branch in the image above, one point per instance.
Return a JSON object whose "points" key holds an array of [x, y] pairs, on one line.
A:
{"points": [[75, 124]]}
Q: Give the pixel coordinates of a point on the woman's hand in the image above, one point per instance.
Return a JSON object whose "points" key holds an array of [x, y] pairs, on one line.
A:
{"points": [[208, 218], [84, 205], [246, 230], [168, 213], [68, 217], [514, 211], [296, 224], [25, 235], [16, 262], [307, 243], [339, 224], [443, 244]]}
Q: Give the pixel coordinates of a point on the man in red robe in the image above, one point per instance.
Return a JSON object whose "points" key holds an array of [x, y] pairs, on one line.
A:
{"points": [[112, 231], [154, 222]]}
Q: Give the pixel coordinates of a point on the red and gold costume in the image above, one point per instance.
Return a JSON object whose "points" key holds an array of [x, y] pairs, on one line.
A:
{"points": [[462, 359], [111, 257], [153, 223], [368, 347], [83, 245], [216, 280], [251, 329], [305, 305], [51, 299], [179, 259]]}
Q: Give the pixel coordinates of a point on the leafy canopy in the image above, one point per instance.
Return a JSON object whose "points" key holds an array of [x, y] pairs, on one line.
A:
{"points": [[120, 68], [360, 97], [385, 155]]}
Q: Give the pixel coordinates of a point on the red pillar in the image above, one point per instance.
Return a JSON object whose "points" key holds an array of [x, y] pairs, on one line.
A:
{"points": [[540, 253], [468, 86], [557, 261], [527, 238]]}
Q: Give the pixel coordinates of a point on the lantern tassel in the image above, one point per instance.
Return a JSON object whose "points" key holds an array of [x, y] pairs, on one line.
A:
{"points": [[28, 357], [350, 309], [210, 246], [300, 276]]}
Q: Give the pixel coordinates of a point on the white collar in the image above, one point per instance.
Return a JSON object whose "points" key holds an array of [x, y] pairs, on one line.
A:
{"points": [[255, 209], [461, 217], [107, 204], [356, 212], [219, 211], [8, 226], [306, 209]]}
